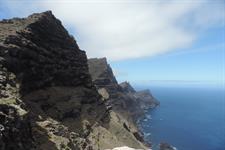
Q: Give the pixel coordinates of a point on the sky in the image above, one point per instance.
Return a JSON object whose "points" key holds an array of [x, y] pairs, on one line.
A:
{"points": [[159, 42]]}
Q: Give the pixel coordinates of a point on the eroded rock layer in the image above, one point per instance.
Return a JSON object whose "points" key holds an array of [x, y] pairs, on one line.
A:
{"points": [[128, 104], [40, 52], [49, 100], [121, 96]]}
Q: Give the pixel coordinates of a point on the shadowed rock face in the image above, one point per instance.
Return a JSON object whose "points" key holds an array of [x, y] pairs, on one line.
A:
{"points": [[125, 101], [47, 98], [166, 146], [40, 52], [146, 100], [127, 87], [15, 129], [121, 96], [140, 101], [102, 74]]}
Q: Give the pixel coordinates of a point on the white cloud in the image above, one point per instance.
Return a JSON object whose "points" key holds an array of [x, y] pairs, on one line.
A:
{"points": [[127, 29]]}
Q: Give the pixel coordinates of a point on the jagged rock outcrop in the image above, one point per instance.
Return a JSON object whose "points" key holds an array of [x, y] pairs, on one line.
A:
{"points": [[166, 146], [45, 74], [47, 98], [139, 101], [128, 104], [15, 128], [121, 96], [126, 87], [102, 75], [40, 52], [144, 98]]}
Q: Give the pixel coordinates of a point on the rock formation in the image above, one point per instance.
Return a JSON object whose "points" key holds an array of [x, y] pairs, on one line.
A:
{"points": [[166, 146], [121, 96], [47, 98], [128, 104]]}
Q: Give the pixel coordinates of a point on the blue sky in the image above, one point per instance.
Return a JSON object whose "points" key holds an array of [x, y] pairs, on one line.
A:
{"points": [[145, 41], [201, 64]]}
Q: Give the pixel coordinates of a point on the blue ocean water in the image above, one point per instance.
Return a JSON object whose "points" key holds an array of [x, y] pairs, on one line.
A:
{"points": [[188, 118]]}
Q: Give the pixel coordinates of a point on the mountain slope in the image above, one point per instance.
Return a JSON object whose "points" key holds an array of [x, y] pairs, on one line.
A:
{"points": [[47, 98], [126, 103]]}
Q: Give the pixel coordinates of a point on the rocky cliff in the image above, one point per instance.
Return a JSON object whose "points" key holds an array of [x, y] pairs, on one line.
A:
{"points": [[144, 98], [120, 96], [49, 100], [128, 104]]}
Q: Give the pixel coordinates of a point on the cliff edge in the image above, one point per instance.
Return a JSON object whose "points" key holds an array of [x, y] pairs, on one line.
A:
{"points": [[128, 104], [49, 97]]}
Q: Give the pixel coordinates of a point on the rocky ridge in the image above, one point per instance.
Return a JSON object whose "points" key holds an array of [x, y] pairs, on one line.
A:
{"points": [[128, 104], [120, 96], [46, 91], [49, 97]]}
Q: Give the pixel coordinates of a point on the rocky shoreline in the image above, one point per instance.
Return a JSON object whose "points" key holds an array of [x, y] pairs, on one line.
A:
{"points": [[53, 98]]}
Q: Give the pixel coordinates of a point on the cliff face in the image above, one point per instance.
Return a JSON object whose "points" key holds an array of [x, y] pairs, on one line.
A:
{"points": [[121, 96], [102, 75], [39, 51], [120, 103], [144, 98], [47, 98], [128, 104]]}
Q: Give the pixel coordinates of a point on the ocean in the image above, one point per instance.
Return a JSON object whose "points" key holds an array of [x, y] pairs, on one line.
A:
{"points": [[191, 118]]}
